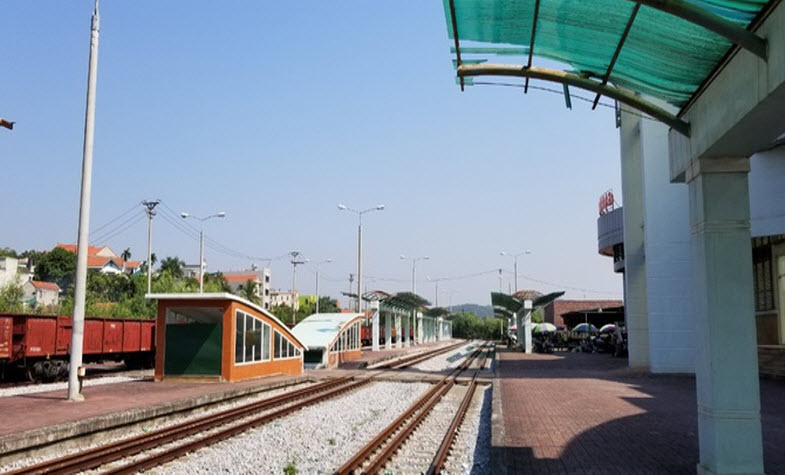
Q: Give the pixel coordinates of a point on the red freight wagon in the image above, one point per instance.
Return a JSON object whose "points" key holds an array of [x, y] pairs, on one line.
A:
{"points": [[39, 345]]}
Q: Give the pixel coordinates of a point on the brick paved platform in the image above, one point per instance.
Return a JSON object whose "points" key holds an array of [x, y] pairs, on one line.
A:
{"points": [[588, 413]]}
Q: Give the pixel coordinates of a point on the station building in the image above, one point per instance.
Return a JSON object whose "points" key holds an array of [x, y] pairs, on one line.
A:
{"points": [[221, 337], [331, 338]]}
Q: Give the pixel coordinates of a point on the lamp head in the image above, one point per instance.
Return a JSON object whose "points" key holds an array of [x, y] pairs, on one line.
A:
{"points": [[184, 215], [341, 207], [426, 258], [328, 260], [380, 207], [528, 251], [222, 214], [502, 253], [402, 257]]}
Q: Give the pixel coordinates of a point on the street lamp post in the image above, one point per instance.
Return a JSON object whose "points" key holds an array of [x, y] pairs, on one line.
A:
{"points": [[414, 269], [201, 220], [360, 214], [326, 261], [295, 263], [515, 260]]}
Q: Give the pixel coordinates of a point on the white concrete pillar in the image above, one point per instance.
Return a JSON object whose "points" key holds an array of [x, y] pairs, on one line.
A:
{"points": [[375, 326], [405, 336], [729, 427], [635, 298], [387, 331], [518, 319], [527, 326], [398, 342]]}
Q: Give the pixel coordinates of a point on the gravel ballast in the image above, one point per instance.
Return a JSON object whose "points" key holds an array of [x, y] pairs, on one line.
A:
{"points": [[316, 439], [153, 425], [471, 450]]}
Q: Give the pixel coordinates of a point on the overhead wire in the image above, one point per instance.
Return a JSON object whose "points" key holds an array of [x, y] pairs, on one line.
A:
{"points": [[93, 231], [124, 225]]}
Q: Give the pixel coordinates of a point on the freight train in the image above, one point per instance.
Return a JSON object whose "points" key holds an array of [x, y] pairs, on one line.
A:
{"points": [[38, 346]]}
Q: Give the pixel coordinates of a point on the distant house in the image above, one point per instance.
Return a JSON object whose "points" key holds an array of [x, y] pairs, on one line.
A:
{"points": [[259, 278], [285, 297], [105, 260], [12, 268], [41, 294]]}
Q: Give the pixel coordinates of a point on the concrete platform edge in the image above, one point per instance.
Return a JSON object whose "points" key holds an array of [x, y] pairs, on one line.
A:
{"points": [[498, 451], [11, 445]]}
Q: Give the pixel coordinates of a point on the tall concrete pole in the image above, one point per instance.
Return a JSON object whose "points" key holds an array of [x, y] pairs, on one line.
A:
{"points": [[77, 330], [317, 289], [360, 264], [516, 274]]}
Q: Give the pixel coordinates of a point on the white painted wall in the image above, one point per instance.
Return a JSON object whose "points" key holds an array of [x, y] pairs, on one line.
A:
{"points": [[666, 240], [767, 193]]}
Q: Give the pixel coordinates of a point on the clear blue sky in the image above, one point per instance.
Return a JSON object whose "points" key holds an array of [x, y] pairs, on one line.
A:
{"points": [[277, 111]]}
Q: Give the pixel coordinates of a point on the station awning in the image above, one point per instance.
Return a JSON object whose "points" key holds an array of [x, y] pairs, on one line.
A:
{"points": [[628, 50]]}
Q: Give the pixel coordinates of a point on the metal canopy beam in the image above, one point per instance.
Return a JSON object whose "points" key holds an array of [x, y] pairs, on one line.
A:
{"points": [[552, 75], [531, 43], [712, 22], [616, 53]]}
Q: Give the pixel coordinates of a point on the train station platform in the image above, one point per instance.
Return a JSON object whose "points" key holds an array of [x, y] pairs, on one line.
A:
{"points": [[589, 413], [32, 419]]}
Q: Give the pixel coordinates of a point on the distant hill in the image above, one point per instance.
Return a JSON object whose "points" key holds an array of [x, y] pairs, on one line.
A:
{"points": [[479, 310]]}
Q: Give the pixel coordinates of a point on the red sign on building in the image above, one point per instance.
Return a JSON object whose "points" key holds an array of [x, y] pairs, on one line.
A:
{"points": [[607, 203]]}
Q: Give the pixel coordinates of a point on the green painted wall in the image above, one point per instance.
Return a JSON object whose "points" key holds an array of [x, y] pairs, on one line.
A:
{"points": [[193, 349]]}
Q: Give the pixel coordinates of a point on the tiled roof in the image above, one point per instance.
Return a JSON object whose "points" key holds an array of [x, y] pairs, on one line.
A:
{"points": [[91, 250], [240, 277], [561, 307], [45, 285]]}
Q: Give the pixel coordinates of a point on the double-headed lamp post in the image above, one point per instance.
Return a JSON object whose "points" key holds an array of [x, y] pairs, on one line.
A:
{"points": [[515, 257], [326, 261], [222, 214], [414, 269], [360, 214]]}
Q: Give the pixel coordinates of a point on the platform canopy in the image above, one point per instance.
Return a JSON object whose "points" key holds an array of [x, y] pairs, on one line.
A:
{"points": [[505, 305], [320, 329], [628, 50]]}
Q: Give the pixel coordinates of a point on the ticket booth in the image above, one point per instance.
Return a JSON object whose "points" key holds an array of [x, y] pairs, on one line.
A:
{"points": [[221, 337]]}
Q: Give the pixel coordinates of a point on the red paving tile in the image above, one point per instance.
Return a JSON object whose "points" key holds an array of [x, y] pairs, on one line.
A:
{"points": [[588, 414], [24, 412]]}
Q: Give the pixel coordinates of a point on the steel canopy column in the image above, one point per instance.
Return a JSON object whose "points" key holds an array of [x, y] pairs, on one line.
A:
{"points": [[419, 328], [375, 325], [387, 331], [405, 336], [398, 330], [527, 326], [729, 427]]}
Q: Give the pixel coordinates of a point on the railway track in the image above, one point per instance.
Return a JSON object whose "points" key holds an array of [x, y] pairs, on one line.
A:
{"points": [[420, 357], [234, 421], [380, 450]]}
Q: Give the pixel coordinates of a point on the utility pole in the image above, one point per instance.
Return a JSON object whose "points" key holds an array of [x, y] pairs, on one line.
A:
{"points": [[295, 263], [500, 282], [351, 286], [150, 205], [77, 330], [326, 261]]}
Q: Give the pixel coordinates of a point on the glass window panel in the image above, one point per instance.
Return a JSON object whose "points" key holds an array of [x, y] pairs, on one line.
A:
{"points": [[277, 345], [257, 340], [266, 342], [238, 337], [248, 338]]}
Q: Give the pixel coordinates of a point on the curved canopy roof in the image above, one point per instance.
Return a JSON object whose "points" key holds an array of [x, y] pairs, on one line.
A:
{"points": [[665, 49], [320, 329]]}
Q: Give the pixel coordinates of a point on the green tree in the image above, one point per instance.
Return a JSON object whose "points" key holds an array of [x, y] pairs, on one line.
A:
{"points": [[57, 265], [126, 255], [248, 291], [7, 252], [11, 295], [173, 266]]}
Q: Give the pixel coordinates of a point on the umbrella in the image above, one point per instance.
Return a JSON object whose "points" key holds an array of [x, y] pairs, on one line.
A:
{"points": [[582, 328], [609, 328], [544, 328]]}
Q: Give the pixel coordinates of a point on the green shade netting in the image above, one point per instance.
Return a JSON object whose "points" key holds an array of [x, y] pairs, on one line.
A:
{"points": [[663, 56]]}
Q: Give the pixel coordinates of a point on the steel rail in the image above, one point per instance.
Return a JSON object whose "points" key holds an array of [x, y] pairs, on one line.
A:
{"points": [[449, 437], [414, 359], [404, 425], [180, 450], [108, 453]]}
